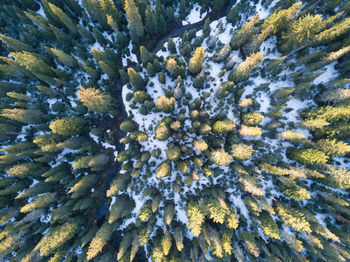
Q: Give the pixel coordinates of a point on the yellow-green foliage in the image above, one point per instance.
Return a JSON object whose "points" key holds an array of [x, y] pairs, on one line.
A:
{"points": [[200, 145], [99, 240], [309, 156], [67, 126], [196, 60], [241, 152], [40, 202], [95, 99], [252, 131], [246, 67], [165, 104], [220, 157], [292, 217], [195, 218], [221, 127], [163, 170], [56, 237], [162, 132], [291, 135]]}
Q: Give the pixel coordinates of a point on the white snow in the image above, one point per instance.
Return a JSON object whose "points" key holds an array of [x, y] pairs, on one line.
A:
{"points": [[194, 16], [45, 218], [41, 12], [330, 74], [97, 46]]}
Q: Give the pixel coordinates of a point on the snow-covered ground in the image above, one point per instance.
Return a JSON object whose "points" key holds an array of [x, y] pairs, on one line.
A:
{"points": [[195, 15]]}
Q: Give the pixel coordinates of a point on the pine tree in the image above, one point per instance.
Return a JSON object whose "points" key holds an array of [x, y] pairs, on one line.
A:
{"points": [[33, 63], [99, 240], [67, 126], [171, 65], [169, 211], [333, 147], [334, 32], [280, 18], [252, 131], [309, 156], [195, 218], [171, 46], [144, 55], [166, 243], [245, 68], [128, 126], [178, 237], [241, 151], [27, 116], [125, 244], [221, 127], [297, 193], [200, 145], [243, 35], [173, 152], [196, 61], [134, 20], [163, 170], [303, 30], [41, 202], [95, 99], [135, 79], [16, 45], [217, 210], [59, 13], [220, 157], [165, 104], [56, 237], [292, 217], [252, 119]]}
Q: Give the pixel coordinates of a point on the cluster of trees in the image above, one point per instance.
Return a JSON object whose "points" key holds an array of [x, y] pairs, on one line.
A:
{"points": [[219, 179], [204, 144]]}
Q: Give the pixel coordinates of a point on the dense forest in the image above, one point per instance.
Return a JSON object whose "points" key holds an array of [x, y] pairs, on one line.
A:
{"points": [[160, 130]]}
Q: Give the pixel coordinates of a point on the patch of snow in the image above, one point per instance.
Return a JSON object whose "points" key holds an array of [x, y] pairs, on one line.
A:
{"points": [[41, 12], [97, 46], [195, 15], [330, 74], [45, 218]]}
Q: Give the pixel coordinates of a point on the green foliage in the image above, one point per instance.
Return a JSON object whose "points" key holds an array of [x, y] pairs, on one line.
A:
{"points": [[95, 100], [135, 79], [195, 218], [245, 68], [99, 240], [220, 157], [163, 170], [67, 126], [241, 152], [165, 104], [269, 227], [134, 20], [221, 127], [196, 61], [27, 116], [252, 119], [280, 18], [56, 237], [294, 218], [309, 156]]}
